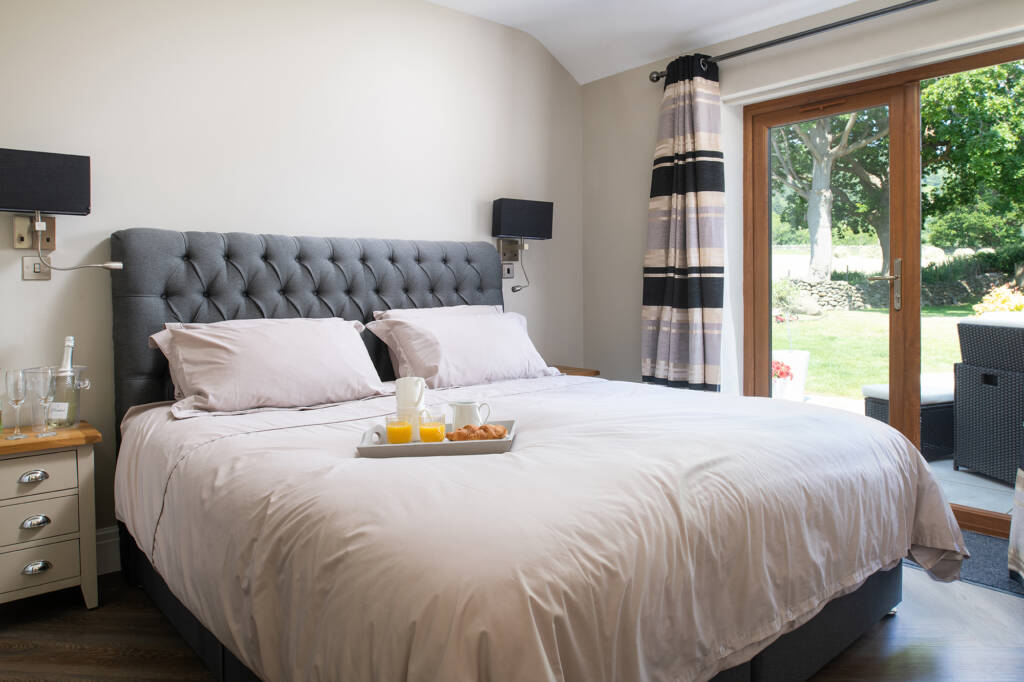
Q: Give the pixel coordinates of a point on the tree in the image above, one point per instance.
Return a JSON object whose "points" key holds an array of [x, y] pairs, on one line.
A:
{"points": [[973, 226], [972, 152], [863, 186], [804, 156], [972, 127]]}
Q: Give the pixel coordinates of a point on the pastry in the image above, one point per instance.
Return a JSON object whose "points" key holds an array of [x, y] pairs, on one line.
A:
{"points": [[484, 432]]}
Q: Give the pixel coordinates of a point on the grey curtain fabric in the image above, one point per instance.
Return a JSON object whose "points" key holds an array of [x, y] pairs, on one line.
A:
{"points": [[684, 263]]}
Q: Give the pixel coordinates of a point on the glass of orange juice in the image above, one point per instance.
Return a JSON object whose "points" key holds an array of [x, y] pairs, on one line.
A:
{"points": [[432, 428], [399, 429]]}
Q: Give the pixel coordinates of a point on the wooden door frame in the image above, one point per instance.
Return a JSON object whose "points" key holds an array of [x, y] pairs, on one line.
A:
{"points": [[902, 89], [904, 324]]}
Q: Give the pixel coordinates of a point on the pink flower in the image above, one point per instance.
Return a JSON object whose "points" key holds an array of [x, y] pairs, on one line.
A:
{"points": [[781, 370]]}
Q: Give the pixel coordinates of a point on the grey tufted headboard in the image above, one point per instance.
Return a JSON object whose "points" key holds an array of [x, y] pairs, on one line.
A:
{"points": [[210, 276]]}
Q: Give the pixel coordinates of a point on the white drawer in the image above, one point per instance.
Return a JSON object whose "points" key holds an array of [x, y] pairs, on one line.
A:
{"points": [[55, 516], [61, 561], [60, 472]]}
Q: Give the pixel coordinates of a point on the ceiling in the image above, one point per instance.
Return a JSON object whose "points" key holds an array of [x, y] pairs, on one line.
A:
{"points": [[597, 38]]}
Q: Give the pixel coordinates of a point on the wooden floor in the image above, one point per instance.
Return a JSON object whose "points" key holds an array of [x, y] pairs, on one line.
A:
{"points": [[942, 632], [54, 637]]}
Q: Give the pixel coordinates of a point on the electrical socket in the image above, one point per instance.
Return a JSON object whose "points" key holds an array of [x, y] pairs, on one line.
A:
{"points": [[25, 234], [508, 270], [49, 235], [509, 249], [22, 234]]}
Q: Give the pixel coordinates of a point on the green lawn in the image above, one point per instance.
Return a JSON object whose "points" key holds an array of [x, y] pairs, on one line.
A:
{"points": [[851, 348]]}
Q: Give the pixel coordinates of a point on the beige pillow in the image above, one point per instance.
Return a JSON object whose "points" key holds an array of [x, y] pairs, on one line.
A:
{"points": [[462, 350], [162, 340], [422, 313], [419, 313], [245, 365]]}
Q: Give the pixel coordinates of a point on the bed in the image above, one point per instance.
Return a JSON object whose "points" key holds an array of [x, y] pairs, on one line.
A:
{"points": [[634, 532]]}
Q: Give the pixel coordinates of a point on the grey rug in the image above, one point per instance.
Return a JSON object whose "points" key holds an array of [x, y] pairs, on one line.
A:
{"points": [[987, 565]]}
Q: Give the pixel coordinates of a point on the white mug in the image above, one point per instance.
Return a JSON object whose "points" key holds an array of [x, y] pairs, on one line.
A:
{"points": [[468, 413], [409, 392]]}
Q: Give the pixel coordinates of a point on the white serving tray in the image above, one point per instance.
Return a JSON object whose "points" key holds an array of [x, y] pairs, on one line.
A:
{"points": [[495, 446]]}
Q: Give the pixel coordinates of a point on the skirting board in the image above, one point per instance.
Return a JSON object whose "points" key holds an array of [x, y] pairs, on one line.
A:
{"points": [[108, 552]]}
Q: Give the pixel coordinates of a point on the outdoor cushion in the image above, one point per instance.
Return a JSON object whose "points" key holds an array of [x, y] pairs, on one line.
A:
{"points": [[935, 388]]}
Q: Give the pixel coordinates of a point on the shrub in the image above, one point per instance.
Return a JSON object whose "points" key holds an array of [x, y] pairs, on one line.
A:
{"points": [[786, 234], [784, 293], [1004, 260], [973, 227], [953, 270], [854, 277], [1005, 298]]}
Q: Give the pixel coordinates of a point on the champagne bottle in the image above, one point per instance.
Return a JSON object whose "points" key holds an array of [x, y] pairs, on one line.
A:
{"points": [[64, 409]]}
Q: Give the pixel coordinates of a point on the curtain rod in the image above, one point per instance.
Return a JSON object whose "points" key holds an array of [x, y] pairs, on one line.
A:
{"points": [[656, 76]]}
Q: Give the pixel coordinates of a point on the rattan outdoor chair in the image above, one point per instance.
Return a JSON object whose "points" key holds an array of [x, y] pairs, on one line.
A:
{"points": [[989, 397]]}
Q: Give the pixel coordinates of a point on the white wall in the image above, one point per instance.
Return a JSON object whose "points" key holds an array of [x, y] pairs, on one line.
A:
{"points": [[619, 120], [381, 118]]}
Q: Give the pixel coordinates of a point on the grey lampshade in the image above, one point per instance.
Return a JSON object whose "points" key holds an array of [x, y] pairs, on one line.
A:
{"points": [[522, 219], [44, 182]]}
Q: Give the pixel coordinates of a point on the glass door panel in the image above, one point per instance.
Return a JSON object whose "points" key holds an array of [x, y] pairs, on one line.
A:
{"points": [[972, 406], [830, 260]]}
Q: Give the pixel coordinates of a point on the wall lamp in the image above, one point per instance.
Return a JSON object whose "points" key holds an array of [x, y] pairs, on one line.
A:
{"points": [[513, 221], [37, 183]]}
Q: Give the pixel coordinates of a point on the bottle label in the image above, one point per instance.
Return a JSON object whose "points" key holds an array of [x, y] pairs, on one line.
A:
{"points": [[58, 411]]}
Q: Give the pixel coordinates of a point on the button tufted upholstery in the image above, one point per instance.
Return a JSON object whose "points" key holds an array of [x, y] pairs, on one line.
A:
{"points": [[210, 276]]}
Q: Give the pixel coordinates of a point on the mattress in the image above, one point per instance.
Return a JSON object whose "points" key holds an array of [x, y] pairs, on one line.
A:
{"points": [[633, 532]]}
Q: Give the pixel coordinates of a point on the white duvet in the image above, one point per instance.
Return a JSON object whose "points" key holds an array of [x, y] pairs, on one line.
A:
{"points": [[632, 533]]}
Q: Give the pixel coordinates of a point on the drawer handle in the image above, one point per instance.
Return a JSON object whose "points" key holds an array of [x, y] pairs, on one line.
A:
{"points": [[37, 567], [36, 476], [37, 521]]}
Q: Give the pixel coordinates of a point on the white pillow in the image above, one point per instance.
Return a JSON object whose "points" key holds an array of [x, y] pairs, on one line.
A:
{"points": [[422, 313], [162, 340], [419, 313], [245, 365], [461, 350]]}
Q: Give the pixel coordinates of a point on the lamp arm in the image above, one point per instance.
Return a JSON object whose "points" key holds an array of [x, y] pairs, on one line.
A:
{"points": [[522, 264], [109, 265]]}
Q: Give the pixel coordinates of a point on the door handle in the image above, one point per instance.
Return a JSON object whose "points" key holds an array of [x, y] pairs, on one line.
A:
{"points": [[896, 280]]}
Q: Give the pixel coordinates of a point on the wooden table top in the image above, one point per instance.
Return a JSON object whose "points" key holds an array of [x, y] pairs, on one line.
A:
{"points": [[577, 371], [83, 434]]}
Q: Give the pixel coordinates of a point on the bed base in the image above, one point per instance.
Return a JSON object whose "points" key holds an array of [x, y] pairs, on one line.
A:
{"points": [[217, 658], [794, 656]]}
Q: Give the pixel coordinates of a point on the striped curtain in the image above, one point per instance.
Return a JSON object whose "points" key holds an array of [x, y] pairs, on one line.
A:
{"points": [[684, 264]]}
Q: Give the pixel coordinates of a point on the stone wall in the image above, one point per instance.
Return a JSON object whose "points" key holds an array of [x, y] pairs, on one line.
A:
{"points": [[810, 298], [828, 295]]}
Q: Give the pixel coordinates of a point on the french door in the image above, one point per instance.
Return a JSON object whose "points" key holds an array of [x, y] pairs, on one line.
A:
{"points": [[854, 150], [796, 155]]}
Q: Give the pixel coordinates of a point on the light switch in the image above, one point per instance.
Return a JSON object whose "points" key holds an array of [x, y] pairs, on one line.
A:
{"points": [[32, 269]]}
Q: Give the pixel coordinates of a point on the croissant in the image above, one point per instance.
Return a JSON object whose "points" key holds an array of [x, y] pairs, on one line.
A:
{"points": [[484, 432]]}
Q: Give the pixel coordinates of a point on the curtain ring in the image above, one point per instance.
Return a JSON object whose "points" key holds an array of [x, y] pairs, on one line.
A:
{"points": [[703, 64]]}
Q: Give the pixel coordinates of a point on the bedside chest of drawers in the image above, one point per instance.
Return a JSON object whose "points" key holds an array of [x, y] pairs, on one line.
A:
{"points": [[577, 371], [47, 514]]}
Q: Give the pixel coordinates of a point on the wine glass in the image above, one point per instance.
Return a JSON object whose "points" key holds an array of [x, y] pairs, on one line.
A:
{"points": [[15, 382], [40, 382]]}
